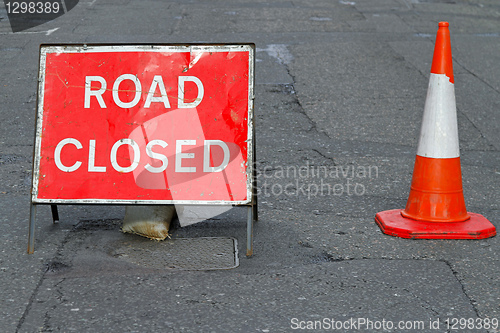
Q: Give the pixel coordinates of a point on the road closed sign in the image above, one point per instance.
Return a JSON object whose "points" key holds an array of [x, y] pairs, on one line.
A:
{"points": [[144, 124]]}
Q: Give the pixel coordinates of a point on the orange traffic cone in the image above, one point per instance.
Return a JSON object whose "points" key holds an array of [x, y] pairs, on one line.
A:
{"points": [[436, 207]]}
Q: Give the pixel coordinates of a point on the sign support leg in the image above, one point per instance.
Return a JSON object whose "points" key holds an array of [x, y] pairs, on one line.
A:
{"points": [[31, 233], [255, 204], [55, 213], [254, 181], [255, 199], [250, 231]]}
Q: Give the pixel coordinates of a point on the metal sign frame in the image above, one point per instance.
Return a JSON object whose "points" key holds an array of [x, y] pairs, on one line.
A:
{"points": [[251, 192]]}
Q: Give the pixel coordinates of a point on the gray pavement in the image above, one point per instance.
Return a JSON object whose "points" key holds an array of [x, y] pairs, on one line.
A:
{"points": [[339, 84]]}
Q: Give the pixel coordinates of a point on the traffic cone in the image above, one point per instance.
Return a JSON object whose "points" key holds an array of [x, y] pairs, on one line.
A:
{"points": [[436, 206]]}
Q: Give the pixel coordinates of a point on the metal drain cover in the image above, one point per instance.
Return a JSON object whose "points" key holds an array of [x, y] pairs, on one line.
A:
{"points": [[203, 253]]}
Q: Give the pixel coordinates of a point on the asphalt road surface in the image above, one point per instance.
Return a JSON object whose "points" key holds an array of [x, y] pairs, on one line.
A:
{"points": [[340, 85]]}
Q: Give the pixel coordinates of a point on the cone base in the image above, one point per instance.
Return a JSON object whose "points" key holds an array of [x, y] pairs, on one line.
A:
{"points": [[391, 222]]}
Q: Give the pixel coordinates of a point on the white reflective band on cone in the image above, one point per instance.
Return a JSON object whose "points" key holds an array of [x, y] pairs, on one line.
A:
{"points": [[439, 132]]}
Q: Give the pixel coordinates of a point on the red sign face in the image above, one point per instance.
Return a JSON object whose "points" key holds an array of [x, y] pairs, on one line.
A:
{"points": [[132, 124]]}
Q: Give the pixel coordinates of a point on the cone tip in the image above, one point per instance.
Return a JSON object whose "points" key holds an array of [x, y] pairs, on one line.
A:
{"points": [[442, 60]]}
